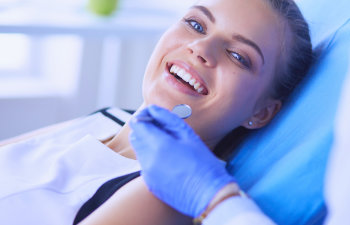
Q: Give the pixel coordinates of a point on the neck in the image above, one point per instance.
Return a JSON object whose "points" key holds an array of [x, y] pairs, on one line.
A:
{"points": [[120, 143]]}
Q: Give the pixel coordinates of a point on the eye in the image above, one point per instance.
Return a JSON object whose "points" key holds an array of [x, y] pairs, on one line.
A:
{"points": [[240, 59], [195, 25]]}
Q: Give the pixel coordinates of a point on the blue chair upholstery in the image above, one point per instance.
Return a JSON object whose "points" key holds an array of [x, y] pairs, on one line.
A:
{"points": [[282, 166]]}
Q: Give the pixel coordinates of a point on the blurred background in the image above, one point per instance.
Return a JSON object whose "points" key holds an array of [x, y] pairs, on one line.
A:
{"points": [[61, 59]]}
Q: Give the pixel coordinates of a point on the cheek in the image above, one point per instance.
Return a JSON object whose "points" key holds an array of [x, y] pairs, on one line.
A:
{"points": [[236, 99], [223, 113], [238, 89], [171, 42], [214, 123]]}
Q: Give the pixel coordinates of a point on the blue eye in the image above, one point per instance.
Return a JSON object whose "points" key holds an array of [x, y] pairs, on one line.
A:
{"points": [[196, 26], [240, 59]]}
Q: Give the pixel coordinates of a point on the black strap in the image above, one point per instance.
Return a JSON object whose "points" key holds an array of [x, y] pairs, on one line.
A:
{"points": [[100, 110], [112, 117], [102, 195], [105, 112]]}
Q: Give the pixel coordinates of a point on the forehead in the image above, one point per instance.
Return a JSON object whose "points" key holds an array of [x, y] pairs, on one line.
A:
{"points": [[249, 10]]}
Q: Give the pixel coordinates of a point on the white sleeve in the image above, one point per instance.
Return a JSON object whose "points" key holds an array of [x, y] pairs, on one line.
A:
{"points": [[237, 211]]}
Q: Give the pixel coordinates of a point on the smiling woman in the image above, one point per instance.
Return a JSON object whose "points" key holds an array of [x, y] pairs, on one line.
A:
{"points": [[233, 70], [227, 67], [226, 59]]}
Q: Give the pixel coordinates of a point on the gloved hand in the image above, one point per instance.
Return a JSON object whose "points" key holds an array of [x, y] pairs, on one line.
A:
{"points": [[176, 165]]}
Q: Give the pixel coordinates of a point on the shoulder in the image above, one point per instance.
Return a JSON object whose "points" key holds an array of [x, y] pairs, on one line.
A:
{"points": [[102, 124]]}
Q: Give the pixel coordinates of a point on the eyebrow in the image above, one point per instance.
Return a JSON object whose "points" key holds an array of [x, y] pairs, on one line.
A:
{"points": [[236, 37], [205, 11], [252, 44]]}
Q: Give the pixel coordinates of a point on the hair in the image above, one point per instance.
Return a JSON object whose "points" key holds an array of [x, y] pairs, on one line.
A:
{"points": [[294, 62]]}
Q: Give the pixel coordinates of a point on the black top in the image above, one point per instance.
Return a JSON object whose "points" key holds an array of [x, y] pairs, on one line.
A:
{"points": [[102, 195]]}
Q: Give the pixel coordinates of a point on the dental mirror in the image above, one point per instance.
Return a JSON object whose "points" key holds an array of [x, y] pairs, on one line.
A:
{"points": [[182, 110]]}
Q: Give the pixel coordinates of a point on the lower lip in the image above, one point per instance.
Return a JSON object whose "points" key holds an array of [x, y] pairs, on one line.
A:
{"points": [[178, 85]]}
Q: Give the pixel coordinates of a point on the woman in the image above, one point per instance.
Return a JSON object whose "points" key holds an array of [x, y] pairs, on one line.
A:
{"points": [[245, 57], [233, 62]]}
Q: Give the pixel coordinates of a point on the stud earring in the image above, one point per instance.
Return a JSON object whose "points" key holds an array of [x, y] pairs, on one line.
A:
{"points": [[250, 123]]}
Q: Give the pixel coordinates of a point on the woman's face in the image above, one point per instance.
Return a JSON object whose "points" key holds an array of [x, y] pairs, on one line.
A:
{"points": [[219, 59]]}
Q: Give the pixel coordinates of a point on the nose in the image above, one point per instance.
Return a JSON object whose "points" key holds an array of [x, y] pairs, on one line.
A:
{"points": [[204, 51]]}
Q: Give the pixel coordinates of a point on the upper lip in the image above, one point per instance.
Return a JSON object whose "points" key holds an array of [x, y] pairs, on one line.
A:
{"points": [[189, 69]]}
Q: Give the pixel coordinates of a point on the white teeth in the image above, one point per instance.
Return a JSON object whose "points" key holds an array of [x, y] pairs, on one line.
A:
{"points": [[181, 73], [196, 86], [176, 69], [192, 81], [172, 69], [186, 77]]}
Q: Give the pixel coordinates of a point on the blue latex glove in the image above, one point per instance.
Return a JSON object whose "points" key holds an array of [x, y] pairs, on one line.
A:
{"points": [[176, 165]]}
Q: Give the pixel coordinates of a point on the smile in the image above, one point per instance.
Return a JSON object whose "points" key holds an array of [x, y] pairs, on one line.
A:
{"points": [[188, 79]]}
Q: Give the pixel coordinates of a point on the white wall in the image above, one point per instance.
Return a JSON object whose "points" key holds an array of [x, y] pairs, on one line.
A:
{"points": [[110, 73], [103, 81]]}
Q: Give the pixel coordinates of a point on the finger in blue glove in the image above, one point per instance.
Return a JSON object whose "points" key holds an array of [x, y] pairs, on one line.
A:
{"points": [[176, 165]]}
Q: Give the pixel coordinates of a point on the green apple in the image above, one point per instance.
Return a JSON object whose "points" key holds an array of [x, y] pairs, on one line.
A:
{"points": [[103, 7]]}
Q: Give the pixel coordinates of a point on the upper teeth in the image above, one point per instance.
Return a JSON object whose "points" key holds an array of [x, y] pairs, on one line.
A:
{"points": [[187, 77]]}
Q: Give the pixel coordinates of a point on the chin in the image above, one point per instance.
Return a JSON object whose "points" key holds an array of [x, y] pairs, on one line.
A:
{"points": [[158, 95], [159, 99]]}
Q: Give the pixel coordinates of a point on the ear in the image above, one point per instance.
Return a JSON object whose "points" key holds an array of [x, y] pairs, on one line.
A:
{"points": [[264, 114]]}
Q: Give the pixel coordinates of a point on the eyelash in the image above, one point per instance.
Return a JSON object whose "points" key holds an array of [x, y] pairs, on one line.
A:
{"points": [[193, 23], [197, 27], [240, 59]]}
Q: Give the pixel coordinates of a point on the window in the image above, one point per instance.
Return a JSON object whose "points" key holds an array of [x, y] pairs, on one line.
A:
{"points": [[41, 63], [14, 54]]}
